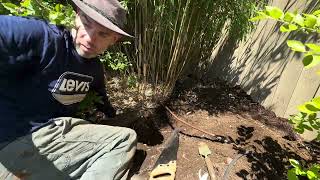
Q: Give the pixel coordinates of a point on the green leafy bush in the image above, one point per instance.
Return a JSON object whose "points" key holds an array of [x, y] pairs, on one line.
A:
{"points": [[54, 12], [307, 118], [117, 61]]}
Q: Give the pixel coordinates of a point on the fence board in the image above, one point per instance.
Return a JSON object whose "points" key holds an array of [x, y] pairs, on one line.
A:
{"points": [[306, 87], [286, 87]]}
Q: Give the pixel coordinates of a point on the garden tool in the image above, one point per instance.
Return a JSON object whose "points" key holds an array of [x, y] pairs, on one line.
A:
{"points": [[166, 165], [204, 151], [202, 176]]}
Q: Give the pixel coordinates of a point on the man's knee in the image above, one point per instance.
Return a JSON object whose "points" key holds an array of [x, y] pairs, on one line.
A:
{"points": [[130, 136]]}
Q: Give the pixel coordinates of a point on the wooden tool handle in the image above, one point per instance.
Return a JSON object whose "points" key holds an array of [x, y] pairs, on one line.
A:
{"points": [[210, 168]]}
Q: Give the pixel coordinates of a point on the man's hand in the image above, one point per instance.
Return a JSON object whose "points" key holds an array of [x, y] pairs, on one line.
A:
{"points": [[110, 112]]}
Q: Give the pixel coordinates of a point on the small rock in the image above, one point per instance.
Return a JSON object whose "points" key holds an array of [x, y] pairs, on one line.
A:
{"points": [[151, 105], [229, 160], [148, 92]]}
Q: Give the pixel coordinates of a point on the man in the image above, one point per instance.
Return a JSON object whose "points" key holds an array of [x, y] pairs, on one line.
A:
{"points": [[45, 72]]}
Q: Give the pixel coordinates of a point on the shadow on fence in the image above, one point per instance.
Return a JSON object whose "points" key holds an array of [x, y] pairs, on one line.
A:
{"points": [[258, 67]]}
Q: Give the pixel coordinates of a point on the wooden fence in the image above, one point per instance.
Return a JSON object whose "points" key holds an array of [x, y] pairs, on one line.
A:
{"points": [[265, 67]]}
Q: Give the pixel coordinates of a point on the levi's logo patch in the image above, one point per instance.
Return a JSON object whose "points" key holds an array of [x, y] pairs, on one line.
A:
{"points": [[70, 85], [71, 88]]}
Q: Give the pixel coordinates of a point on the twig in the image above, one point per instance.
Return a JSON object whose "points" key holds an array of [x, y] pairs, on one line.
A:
{"points": [[184, 122]]}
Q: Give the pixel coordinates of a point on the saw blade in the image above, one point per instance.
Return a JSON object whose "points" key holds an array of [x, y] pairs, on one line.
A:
{"points": [[169, 153]]}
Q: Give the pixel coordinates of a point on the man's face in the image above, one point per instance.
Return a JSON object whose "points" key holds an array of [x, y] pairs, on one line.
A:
{"points": [[91, 38]]}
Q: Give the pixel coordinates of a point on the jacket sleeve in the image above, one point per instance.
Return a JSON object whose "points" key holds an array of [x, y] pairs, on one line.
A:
{"points": [[21, 44]]}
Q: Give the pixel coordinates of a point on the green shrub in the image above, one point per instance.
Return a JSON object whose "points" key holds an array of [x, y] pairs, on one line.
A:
{"points": [[55, 13]]}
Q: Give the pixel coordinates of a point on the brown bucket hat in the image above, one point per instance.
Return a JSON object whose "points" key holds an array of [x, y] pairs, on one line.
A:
{"points": [[108, 13]]}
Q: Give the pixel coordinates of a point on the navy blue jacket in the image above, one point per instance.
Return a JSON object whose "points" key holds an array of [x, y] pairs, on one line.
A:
{"points": [[41, 75]]}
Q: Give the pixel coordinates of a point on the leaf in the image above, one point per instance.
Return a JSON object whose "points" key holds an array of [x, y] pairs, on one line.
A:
{"points": [[311, 175], [294, 163], [58, 7], [314, 47], [316, 101], [274, 12], [260, 16], [299, 20], [284, 28], [288, 28], [306, 126], [257, 18], [317, 12], [311, 61], [311, 107], [11, 7], [26, 4], [292, 175], [288, 17], [310, 21], [296, 45], [300, 171], [303, 108], [53, 16]]}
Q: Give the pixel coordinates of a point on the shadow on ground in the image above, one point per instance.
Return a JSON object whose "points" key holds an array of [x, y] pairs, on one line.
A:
{"points": [[268, 159]]}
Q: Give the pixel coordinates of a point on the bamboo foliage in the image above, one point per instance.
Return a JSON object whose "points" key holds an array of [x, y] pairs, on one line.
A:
{"points": [[173, 36]]}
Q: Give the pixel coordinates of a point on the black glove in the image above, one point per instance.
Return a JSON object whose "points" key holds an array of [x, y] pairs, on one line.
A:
{"points": [[109, 111]]}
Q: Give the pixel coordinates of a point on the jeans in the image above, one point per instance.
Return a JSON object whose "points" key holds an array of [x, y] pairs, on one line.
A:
{"points": [[70, 148]]}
